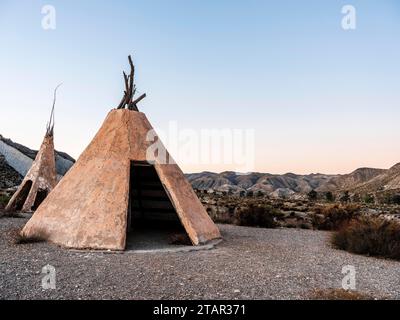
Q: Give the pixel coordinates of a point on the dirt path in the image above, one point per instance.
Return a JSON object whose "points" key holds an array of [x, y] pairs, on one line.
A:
{"points": [[249, 264]]}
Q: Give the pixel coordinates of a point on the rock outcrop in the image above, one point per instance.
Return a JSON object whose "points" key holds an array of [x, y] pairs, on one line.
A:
{"points": [[8, 176]]}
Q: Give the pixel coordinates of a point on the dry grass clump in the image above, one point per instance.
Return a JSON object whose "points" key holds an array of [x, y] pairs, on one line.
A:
{"points": [[334, 217], [15, 237], [338, 294], [372, 236], [256, 216], [179, 239], [5, 214]]}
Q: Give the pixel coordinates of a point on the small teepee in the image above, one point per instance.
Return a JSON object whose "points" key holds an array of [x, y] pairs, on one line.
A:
{"points": [[115, 183], [41, 178]]}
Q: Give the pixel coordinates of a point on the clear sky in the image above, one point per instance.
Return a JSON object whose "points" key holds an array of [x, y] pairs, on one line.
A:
{"points": [[320, 99]]}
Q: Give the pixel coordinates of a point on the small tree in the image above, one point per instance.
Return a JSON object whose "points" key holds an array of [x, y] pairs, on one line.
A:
{"points": [[242, 194], [345, 197], [260, 194], [313, 195], [250, 193], [329, 196]]}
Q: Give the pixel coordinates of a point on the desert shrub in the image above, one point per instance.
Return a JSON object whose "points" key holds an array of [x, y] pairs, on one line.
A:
{"points": [[345, 197], [304, 225], [329, 196], [312, 195], [338, 294], [4, 214], [223, 219], [356, 198], [224, 215], [15, 237], [333, 217], [256, 216], [369, 199], [369, 235], [259, 194], [393, 199]]}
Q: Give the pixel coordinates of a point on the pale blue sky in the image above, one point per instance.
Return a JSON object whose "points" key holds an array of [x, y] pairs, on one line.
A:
{"points": [[321, 99]]}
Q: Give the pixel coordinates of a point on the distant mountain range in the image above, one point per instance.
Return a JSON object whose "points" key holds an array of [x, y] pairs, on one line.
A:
{"points": [[16, 159], [363, 180]]}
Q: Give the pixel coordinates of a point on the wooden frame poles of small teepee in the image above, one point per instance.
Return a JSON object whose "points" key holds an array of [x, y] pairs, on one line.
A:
{"points": [[50, 124], [130, 90]]}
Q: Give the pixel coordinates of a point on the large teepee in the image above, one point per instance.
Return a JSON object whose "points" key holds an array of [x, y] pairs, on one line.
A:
{"points": [[114, 182], [41, 178]]}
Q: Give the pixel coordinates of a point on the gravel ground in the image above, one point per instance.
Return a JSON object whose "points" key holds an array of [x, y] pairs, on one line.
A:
{"points": [[249, 264]]}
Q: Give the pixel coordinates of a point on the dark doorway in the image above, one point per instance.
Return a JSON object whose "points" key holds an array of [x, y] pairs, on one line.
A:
{"points": [[151, 216], [23, 194], [40, 196]]}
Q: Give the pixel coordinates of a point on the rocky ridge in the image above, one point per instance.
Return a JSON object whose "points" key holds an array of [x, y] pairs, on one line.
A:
{"points": [[290, 184]]}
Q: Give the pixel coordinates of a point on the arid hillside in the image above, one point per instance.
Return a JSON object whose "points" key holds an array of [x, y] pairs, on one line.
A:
{"points": [[290, 184], [385, 181]]}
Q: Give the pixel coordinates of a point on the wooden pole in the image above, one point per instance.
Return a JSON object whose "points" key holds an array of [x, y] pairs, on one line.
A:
{"points": [[130, 90]]}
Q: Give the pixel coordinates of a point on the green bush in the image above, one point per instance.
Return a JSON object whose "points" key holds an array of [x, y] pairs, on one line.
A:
{"points": [[373, 236], [256, 216], [369, 199]]}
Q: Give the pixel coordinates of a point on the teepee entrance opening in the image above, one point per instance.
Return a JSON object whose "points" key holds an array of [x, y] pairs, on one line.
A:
{"points": [[151, 214], [40, 196], [23, 194]]}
